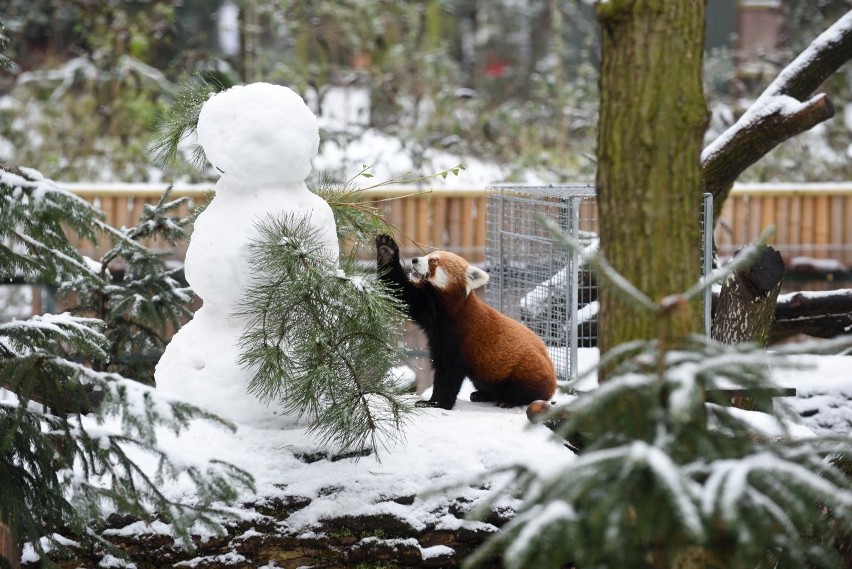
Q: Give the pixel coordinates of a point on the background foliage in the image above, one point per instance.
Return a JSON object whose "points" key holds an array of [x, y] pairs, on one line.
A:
{"points": [[511, 82]]}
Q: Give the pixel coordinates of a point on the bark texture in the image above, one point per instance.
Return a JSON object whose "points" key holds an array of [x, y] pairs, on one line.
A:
{"points": [[746, 306], [652, 119], [10, 554]]}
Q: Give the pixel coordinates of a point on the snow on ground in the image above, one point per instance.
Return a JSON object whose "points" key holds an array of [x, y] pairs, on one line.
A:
{"points": [[440, 448], [444, 449], [263, 172], [824, 392]]}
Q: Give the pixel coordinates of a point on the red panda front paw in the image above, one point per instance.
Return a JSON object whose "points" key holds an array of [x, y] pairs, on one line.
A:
{"points": [[480, 397], [387, 251]]}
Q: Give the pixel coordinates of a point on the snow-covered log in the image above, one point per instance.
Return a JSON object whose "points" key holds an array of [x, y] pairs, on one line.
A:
{"points": [[747, 301], [824, 314]]}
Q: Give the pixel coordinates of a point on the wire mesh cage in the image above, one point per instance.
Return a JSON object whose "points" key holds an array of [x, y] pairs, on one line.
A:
{"points": [[541, 283]]}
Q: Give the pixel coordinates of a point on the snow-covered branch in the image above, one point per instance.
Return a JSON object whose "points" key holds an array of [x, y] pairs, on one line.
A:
{"points": [[786, 108]]}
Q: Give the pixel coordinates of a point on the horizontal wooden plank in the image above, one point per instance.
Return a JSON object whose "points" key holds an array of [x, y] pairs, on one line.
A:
{"points": [[810, 219]]}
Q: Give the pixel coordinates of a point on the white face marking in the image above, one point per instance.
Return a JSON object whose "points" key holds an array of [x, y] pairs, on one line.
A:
{"points": [[441, 279], [420, 265]]}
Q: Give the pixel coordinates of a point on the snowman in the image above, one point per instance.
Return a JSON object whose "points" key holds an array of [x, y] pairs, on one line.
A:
{"points": [[262, 138]]}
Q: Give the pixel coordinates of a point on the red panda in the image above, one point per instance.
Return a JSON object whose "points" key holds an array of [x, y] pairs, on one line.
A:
{"points": [[507, 363]]}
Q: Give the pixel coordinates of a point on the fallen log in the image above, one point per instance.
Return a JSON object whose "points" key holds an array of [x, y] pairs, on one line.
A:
{"points": [[824, 314]]}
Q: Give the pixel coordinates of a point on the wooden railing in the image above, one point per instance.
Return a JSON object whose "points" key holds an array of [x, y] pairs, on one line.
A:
{"points": [[813, 220]]}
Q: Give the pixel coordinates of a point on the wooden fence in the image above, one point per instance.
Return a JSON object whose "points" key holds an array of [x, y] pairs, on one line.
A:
{"points": [[425, 220], [812, 220]]}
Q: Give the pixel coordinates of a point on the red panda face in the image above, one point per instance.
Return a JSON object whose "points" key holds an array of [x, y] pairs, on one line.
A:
{"points": [[447, 271]]}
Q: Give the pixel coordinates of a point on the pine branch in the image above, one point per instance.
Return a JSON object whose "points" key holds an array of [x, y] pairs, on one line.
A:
{"points": [[320, 339], [181, 120], [666, 466]]}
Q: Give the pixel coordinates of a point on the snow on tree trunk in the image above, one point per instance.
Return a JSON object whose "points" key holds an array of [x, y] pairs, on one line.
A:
{"points": [[746, 306], [652, 120]]}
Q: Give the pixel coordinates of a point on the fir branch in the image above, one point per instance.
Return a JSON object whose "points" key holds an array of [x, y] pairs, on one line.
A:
{"points": [[48, 456]]}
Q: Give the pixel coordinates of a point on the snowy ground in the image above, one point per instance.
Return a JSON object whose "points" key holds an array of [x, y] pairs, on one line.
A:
{"points": [[442, 448], [463, 448], [824, 393]]}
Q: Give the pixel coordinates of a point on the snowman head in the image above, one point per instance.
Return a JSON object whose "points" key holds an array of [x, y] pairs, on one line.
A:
{"points": [[259, 133]]}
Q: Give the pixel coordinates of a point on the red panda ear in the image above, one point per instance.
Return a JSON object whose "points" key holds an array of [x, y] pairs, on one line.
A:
{"points": [[475, 278]]}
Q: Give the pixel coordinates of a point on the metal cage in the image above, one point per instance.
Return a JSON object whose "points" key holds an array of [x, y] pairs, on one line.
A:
{"points": [[544, 284]]}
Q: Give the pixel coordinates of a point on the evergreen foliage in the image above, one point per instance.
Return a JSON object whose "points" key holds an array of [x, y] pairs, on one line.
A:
{"points": [[145, 300], [319, 338], [181, 119], [667, 470], [60, 466], [6, 64]]}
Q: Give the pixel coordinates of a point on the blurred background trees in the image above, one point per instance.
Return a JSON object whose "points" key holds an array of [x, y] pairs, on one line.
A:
{"points": [[509, 82]]}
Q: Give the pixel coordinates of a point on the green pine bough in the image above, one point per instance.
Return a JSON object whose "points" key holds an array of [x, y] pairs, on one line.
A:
{"points": [[321, 338]]}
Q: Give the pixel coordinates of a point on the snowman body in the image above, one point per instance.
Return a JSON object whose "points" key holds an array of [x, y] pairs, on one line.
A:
{"points": [[262, 138]]}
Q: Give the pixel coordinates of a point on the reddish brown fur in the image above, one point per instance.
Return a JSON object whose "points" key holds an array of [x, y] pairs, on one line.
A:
{"points": [[498, 350]]}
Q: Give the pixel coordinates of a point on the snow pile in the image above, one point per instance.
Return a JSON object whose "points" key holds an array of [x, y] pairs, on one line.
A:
{"points": [[262, 138], [823, 393]]}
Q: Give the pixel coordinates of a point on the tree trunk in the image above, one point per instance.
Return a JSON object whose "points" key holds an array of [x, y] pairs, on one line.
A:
{"points": [[746, 306], [10, 553], [652, 120], [746, 309]]}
